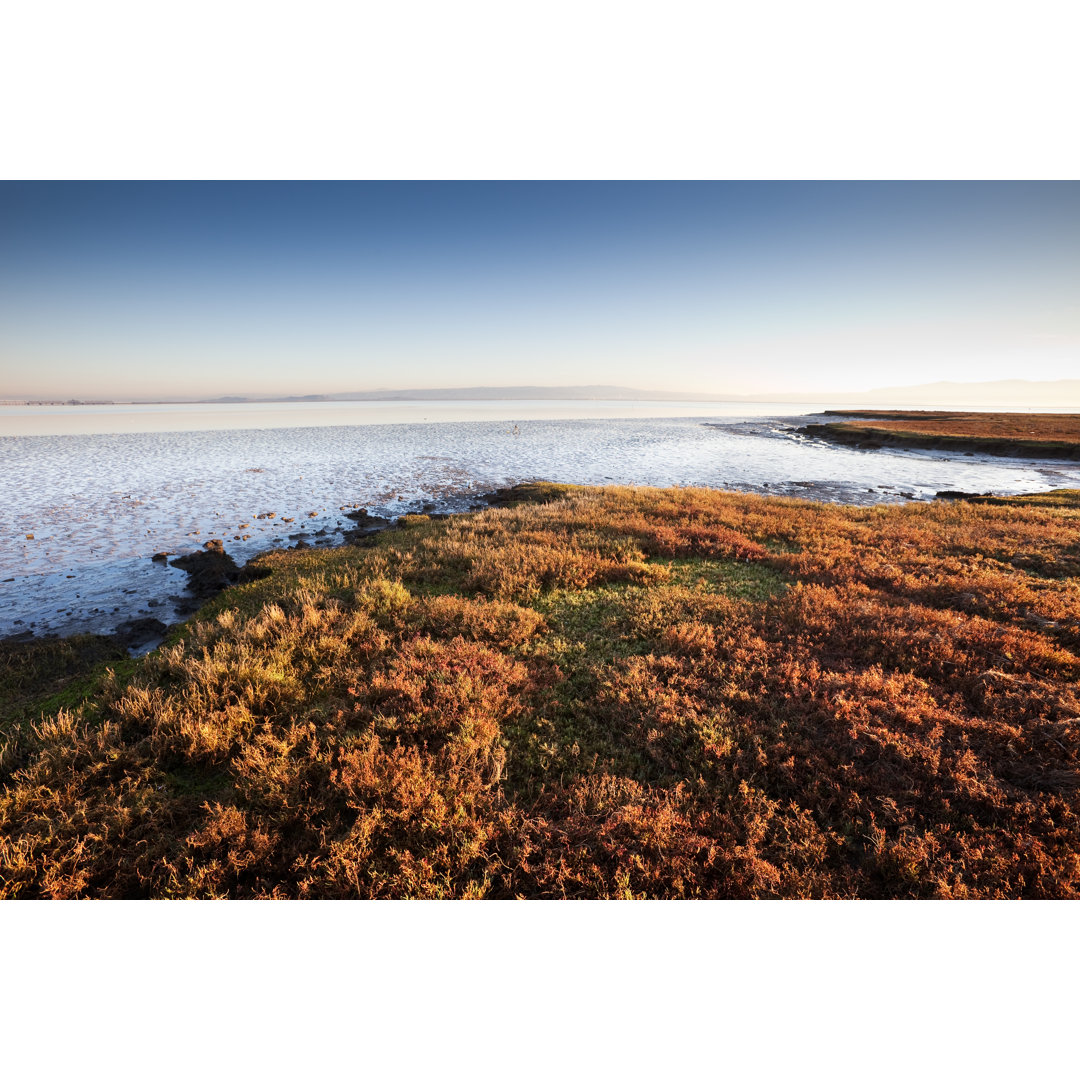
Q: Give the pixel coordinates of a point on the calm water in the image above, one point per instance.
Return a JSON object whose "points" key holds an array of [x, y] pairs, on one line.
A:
{"points": [[112, 419], [101, 489]]}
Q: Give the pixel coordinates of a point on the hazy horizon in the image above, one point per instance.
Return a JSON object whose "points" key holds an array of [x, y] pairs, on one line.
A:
{"points": [[142, 290], [1021, 393]]}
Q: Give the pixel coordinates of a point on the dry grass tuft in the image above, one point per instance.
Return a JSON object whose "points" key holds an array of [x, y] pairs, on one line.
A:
{"points": [[591, 693]]}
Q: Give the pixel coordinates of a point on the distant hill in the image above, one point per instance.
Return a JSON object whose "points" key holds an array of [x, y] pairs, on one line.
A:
{"points": [[1016, 392], [1008, 393], [519, 393], [1019, 393]]}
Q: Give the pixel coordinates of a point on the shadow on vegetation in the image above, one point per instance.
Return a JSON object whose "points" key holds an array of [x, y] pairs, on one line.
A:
{"points": [[581, 692]]}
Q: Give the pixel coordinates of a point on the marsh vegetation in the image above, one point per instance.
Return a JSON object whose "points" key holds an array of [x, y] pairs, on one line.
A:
{"points": [[1033, 435], [589, 692]]}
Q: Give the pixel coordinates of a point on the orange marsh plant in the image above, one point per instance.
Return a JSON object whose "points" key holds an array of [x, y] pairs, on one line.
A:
{"points": [[591, 693]]}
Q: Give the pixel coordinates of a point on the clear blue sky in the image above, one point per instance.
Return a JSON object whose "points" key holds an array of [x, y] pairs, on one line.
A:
{"points": [[140, 289]]}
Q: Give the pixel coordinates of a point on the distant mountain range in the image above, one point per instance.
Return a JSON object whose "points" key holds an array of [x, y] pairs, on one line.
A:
{"points": [[1018, 392], [499, 393]]}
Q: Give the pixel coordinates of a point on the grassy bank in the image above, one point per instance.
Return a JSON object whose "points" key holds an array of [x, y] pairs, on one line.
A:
{"points": [[588, 693], [1004, 434]]}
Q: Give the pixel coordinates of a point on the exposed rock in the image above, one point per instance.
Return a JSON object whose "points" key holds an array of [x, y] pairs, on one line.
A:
{"points": [[366, 526], [139, 632], [208, 571], [211, 571]]}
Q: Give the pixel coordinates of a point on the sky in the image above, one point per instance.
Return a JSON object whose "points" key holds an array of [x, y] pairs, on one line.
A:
{"points": [[135, 290]]}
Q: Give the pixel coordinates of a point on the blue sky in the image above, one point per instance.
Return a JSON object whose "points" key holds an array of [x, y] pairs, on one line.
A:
{"points": [[140, 289]]}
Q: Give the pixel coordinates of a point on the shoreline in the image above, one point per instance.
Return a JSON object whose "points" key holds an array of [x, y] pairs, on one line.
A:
{"points": [[134, 593], [212, 570]]}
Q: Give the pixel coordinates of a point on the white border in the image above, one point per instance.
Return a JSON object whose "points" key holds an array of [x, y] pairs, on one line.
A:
{"points": [[775, 89], [887, 989]]}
